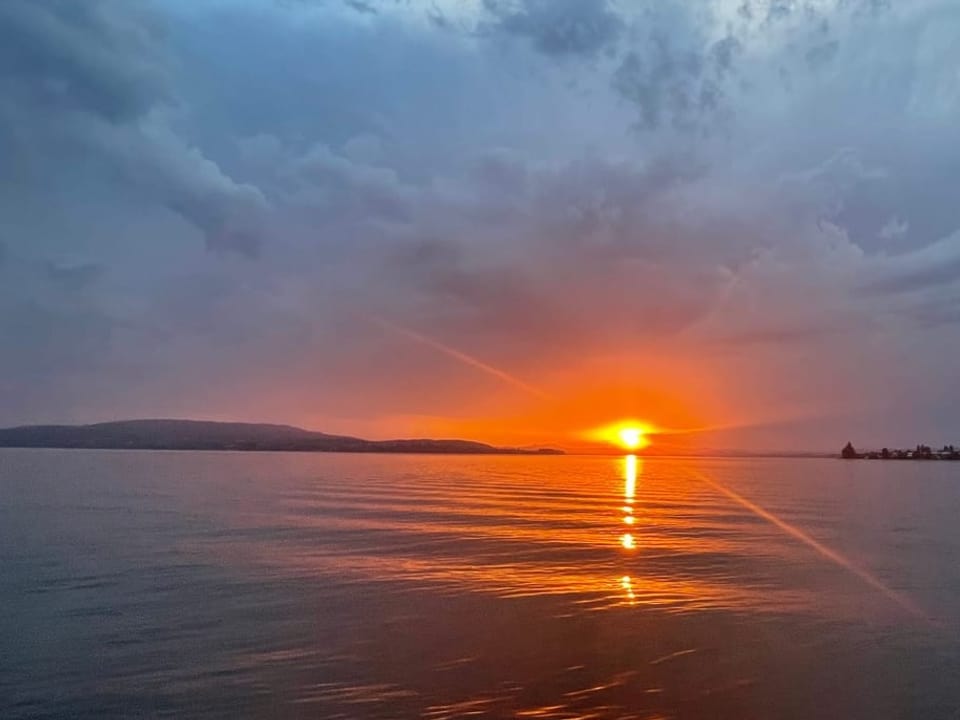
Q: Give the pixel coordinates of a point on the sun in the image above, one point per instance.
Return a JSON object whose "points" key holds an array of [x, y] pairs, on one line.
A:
{"points": [[629, 435]]}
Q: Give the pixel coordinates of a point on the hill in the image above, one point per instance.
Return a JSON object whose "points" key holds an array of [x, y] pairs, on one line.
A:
{"points": [[208, 435]]}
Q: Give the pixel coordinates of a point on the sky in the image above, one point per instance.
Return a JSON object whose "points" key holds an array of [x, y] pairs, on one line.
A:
{"points": [[505, 220]]}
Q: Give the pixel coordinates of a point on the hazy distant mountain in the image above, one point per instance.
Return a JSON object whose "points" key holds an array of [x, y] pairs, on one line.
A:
{"points": [[205, 435]]}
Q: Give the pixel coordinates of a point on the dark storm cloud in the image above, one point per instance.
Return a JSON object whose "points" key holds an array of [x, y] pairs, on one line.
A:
{"points": [[674, 74], [93, 78], [84, 56], [559, 27], [595, 229], [491, 298], [171, 172], [668, 87]]}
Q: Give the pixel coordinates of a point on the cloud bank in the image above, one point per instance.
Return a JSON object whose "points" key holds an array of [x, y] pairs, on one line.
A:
{"points": [[736, 214]]}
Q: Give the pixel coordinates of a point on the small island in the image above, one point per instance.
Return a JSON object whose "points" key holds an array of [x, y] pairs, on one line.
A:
{"points": [[920, 452]]}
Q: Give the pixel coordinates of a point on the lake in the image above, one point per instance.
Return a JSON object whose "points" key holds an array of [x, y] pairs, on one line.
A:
{"points": [[222, 585]]}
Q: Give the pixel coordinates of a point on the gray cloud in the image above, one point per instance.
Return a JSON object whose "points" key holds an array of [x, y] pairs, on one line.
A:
{"points": [[821, 55], [361, 6], [91, 80], [337, 184], [937, 313], [178, 176], [559, 27], [922, 270], [93, 56], [73, 277], [674, 74]]}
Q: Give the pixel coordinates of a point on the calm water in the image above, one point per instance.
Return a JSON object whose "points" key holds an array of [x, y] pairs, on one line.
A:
{"points": [[206, 585]]}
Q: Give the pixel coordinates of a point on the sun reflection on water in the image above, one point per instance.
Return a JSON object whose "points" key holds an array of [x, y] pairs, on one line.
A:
{"points": [[632, 467]]}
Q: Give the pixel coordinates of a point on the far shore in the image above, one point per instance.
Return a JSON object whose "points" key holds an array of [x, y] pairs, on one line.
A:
{"points": [[920, 452]]}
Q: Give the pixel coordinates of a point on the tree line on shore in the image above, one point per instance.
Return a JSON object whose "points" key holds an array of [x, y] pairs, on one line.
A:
{"points": [[920, 452]]}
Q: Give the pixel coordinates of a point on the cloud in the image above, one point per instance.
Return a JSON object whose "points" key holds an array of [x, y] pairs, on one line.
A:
{"points": [[95, 56], [559, 28], [179, 176], [676, 85], [73, 277], [337, 184], [922, 270], [94, 80], [894, 228], [361, 6]]}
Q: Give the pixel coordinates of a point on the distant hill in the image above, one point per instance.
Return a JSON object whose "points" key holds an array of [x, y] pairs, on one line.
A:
{"points": [[206, 435]]}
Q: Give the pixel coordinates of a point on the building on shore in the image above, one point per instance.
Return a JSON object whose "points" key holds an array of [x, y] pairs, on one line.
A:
{"points": [[920, 452]]}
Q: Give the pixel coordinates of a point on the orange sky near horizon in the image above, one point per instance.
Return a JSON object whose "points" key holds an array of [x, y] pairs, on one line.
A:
{"points": [[699, 397], [559, 408], [678, 398]]}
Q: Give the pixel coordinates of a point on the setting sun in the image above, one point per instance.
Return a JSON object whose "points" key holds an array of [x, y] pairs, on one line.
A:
{"points": [[631, 437], [628, 434]]}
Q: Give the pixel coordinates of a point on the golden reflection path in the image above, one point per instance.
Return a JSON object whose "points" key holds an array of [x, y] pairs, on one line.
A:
{"points": [[632, 466], [832, 555]]}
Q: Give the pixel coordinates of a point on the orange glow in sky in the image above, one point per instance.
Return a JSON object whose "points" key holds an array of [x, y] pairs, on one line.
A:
{"points": [[586, 401]]}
